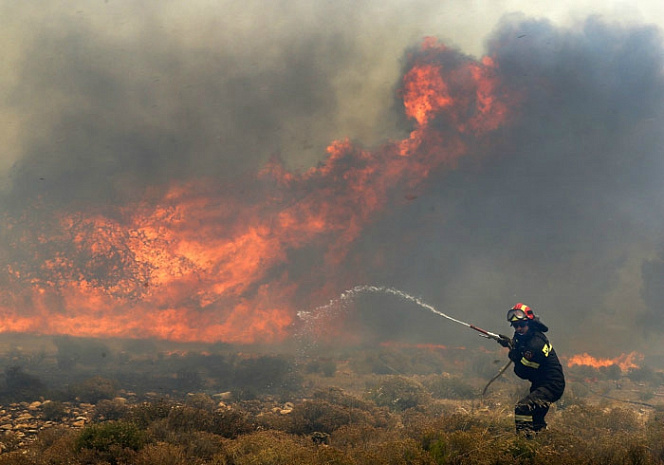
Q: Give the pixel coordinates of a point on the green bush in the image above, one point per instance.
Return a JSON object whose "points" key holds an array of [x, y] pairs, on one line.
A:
{"points": [[111, 442], [103, 436]]}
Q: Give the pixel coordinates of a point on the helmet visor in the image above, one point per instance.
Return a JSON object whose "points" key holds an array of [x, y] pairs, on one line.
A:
{"points": [[516, 314]]}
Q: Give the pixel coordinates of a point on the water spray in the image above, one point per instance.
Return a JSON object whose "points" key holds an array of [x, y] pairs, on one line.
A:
{"points": [[351, 293]]}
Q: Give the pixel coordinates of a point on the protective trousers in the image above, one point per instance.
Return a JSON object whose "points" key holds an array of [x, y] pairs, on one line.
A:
{"points": [[530, 411]]}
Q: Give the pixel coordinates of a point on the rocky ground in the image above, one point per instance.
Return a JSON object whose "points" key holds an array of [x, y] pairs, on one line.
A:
{"points": [[20, 423]]}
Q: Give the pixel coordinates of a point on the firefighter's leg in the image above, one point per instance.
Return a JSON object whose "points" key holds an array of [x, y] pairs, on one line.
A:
{"points": [[540, 409], [530, 411], [523, 416]]}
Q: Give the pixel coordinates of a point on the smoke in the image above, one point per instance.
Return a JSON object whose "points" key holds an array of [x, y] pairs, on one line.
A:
{"points": [[559, 208], [564, 208]]}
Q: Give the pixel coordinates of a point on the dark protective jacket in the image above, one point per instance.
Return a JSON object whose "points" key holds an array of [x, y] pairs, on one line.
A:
{"points": [[535, 360]]}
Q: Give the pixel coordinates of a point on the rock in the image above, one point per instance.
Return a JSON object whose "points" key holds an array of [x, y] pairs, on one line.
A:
{"points": [[34, 406], [223, 395]]}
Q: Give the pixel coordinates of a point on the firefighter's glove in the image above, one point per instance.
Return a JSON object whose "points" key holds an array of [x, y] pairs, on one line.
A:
{"points": [[514, 355], [504, 341]]}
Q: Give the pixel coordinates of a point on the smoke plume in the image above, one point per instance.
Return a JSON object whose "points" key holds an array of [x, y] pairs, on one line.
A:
{"points": [[206, 179]]}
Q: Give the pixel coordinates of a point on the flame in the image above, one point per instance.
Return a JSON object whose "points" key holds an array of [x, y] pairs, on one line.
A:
{"points": [[196, 261], [624, 361]]}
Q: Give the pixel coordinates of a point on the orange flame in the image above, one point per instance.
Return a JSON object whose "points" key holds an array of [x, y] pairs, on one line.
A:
{"points": [[624, 361], [202, 262]]}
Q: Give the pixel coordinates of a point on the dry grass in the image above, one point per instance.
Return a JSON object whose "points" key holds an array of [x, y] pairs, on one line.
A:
{"points": [[357, 418]]}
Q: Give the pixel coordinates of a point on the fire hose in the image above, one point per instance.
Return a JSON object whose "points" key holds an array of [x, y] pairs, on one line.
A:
{"points": [[503, 340]]}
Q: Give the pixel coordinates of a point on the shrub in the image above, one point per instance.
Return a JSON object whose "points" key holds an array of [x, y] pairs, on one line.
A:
{"points": [[146, 413], [398, 393], [54, 410], [182, 418], [328, 368], [267, 448], [611, 372], [231, 424], [393, 452], [265, 374], [187, 379], [589, 419], [22, 386], [112, 442], [115, 409], [73, 351], [449, 387], [228, 424], [320, 416], [57, 446], [94, 389], [103, 436], [201, 401], [642, 375], [339, 397], [162, 453]]}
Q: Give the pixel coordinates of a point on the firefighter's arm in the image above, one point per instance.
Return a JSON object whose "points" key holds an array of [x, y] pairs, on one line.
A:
{"points": [[514, 355]]}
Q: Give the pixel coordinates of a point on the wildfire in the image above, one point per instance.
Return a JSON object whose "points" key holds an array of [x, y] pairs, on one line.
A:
{"points": [[624, 361], [197, 261]]}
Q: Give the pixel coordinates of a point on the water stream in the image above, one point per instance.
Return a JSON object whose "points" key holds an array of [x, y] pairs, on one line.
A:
{"points": [[340, 303]]}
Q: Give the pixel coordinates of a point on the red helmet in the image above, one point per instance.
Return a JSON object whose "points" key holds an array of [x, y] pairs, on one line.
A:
{"points": [[520, 312]]}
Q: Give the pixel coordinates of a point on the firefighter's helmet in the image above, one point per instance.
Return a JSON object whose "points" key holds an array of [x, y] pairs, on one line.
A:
{"points": [[520, 312]]}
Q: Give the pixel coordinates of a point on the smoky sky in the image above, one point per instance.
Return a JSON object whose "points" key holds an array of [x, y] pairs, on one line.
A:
{"points": [[560, 208], [563, 207]]}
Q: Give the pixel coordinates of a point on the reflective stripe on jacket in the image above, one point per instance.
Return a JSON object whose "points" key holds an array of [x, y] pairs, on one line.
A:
{"points": [[536, 360]]}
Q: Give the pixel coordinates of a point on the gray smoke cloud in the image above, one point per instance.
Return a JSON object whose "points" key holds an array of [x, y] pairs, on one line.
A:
{"points": [[561, 211]]}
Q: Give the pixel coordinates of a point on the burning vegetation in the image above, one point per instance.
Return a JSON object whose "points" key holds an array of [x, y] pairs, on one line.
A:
{"points": [[162, 310], [199, 261]]}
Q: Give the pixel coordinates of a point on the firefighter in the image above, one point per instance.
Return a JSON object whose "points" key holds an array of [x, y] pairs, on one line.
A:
{"points": [[535, 360]]}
